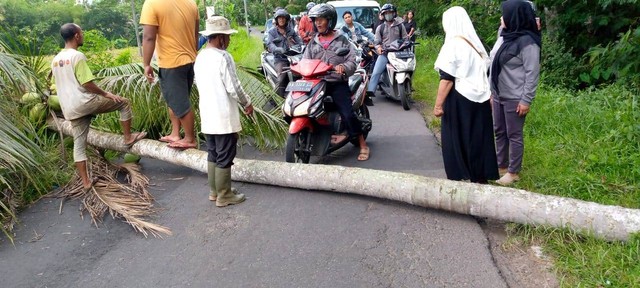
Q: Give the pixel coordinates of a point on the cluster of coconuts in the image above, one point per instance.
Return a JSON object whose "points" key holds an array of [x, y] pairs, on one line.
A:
{"points": [[38, 112]]}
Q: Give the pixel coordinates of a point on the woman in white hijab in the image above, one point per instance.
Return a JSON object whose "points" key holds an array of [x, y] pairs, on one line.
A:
{"points": [[463, 102]]}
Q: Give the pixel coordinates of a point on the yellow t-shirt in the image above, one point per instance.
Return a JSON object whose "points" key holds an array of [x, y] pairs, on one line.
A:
{"points": [[176, 20]]}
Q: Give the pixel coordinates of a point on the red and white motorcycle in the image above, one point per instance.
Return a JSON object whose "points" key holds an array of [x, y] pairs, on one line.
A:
{"points": [[313, 117]]}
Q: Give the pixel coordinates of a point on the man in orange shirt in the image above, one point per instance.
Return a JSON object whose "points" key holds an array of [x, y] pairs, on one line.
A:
{"points": [[305, 26], [170, 28]]}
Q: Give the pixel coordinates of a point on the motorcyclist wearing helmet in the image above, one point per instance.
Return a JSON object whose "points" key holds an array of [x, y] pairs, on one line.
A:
{"points": [[387, 33], [325, 46], [305, 27], [280, 38], [353, 30]]}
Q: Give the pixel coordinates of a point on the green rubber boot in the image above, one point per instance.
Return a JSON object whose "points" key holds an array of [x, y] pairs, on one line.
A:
{"points": [[211, 177], [226, 195]]}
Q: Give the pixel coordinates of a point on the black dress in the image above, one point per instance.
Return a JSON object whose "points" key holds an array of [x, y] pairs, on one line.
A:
{"points": [[468, 147]]}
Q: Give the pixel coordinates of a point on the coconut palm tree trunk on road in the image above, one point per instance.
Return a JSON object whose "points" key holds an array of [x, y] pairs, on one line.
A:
{"points": [[500, 203]]}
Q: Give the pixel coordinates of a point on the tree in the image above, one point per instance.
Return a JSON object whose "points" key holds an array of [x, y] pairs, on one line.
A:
{"points": [[501, 203]]}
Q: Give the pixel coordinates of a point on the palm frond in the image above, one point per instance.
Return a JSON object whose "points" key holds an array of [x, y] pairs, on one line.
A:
{"points": [[266, 129], [150, 110], [131, 201]]}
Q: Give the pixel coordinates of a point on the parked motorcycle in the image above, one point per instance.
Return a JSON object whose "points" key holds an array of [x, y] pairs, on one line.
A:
{"points": [[396, 83], [313, 117], [267, 64]]}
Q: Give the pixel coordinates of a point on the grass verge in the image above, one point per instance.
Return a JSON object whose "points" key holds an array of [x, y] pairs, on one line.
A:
{"points": [[582, 145]]}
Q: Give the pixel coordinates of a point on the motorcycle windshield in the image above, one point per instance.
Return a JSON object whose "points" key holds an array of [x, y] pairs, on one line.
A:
{"points": [[311, 68]]}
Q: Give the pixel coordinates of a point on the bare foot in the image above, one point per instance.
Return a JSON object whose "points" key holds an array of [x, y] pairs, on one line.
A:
{"points": [[181, 144], [169, 139]]}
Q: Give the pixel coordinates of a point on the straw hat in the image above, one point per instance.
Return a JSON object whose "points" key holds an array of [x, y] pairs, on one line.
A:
{"points": [[217, 25]]}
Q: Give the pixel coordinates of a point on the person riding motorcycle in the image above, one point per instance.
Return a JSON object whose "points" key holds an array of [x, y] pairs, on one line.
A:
{"points": [[353, 30], [279, 40], [387, 33], [305, 27], [325, 46]]}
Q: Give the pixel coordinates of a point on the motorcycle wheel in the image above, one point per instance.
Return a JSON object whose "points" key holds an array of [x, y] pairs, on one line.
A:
{"points": [[403, 91], [294, 152], [363, 112]]}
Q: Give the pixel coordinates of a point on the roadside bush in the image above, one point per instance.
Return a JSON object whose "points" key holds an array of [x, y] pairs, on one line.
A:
{"points": [[120, 43], [96, 48], [558, 67], [619, 60]]}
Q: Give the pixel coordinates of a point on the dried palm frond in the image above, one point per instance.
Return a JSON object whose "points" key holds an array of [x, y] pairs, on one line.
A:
{"points": [[131, 201]]}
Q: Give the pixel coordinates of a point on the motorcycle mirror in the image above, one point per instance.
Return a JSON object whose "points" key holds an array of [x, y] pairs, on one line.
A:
{"points": [[343, 52]]}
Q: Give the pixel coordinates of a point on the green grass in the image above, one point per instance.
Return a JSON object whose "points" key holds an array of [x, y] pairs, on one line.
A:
{"points": [[426, 79], [245, 49], [583, 145]]}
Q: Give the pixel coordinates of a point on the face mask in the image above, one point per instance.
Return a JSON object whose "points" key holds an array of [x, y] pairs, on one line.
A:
{"points": [[388, 17]]}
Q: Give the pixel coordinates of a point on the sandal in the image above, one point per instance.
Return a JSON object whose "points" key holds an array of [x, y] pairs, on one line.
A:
{"points": [[135, 137], [364, 154], [336, 139]]}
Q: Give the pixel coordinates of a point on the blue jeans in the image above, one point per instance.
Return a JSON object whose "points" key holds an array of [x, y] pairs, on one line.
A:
{"points": [[378, 69]]}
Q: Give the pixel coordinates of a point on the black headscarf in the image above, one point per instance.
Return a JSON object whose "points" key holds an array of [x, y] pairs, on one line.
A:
{"points": [[521, 30]]}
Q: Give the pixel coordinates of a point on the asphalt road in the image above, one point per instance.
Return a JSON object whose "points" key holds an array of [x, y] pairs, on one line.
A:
{"points": [[278, 238]]}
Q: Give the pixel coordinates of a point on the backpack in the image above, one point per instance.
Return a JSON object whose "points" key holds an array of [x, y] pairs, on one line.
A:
{"points": [[383, 28]]}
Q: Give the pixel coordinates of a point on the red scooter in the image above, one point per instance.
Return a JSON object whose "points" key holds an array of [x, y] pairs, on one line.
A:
{"points": [[313, 117]]}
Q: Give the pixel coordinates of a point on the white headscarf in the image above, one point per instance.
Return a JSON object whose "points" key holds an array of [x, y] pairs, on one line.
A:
{"points": [[458, 59]]}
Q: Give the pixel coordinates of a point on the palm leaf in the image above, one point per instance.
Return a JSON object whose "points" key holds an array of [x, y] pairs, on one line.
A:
{"points": [[266, 129], [18, 153]]}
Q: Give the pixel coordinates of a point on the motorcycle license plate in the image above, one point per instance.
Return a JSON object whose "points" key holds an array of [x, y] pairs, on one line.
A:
{"points": [[404, 54], [299, 86]]}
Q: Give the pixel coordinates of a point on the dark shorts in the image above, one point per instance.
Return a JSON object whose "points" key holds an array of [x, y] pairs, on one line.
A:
{"points": [[222, 149], [176, 86]]}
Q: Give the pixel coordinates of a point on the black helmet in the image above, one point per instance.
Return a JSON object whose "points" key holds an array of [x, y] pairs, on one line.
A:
{"points": [[324, 11], [281, 13], [389, 7]]}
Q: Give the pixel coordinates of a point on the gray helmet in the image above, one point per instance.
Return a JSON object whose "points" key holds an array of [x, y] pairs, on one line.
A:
{"points": [[324, 11], [310, 5], [282, 13], [389, 7]]}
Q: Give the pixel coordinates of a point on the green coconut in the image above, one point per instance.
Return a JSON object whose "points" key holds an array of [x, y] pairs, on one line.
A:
{"points": [[30, 97], [52, 88], [131, 158], [54, 103], [38, 113]]}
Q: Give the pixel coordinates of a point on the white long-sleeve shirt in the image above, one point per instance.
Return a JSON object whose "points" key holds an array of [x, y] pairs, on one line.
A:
{"points": [[220, 92]]}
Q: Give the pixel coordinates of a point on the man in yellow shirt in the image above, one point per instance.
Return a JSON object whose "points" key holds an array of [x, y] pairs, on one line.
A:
{"points": [[170, 29]]}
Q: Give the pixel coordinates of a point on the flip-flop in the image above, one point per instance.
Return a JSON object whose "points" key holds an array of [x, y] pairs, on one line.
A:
{"points": [[136, 137], [335, 139], [165, 139], [181, 146], [364, 154]]}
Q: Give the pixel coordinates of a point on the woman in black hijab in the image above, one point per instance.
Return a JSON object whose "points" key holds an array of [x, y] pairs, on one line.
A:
{"points": [[514, 78]]}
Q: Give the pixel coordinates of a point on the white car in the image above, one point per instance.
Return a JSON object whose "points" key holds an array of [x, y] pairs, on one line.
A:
{"points": [[364, 12]]}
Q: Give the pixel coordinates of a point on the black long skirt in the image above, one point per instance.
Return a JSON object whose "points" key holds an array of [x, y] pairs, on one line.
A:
{"points": [[468, 146]]}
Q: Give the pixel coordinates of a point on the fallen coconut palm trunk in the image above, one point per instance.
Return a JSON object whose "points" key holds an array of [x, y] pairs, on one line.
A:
{"points": [[501, 203]]}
